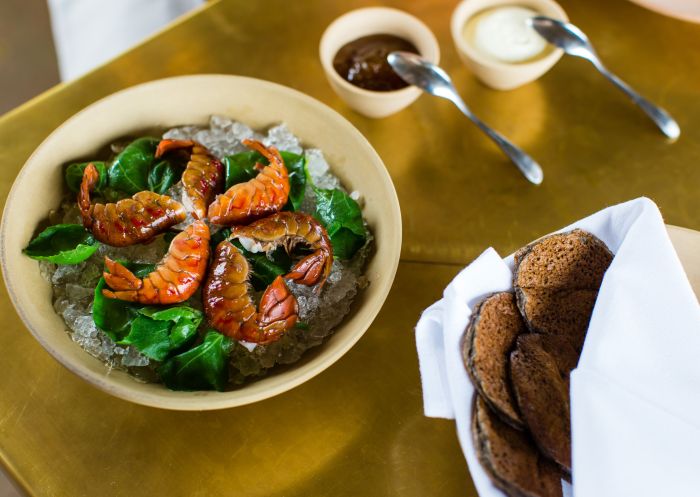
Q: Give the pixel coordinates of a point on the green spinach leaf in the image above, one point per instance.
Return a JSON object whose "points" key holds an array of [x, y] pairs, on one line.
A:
{"points": [[140, 270], [241, 167], [185, 321], [161, 177], [114, 316], [74, 176], [150, 337], [342, 217], [266, 267], [296, 165], [62, 244], [169, 235], [129, 171], [156, 332], [203, 367], [219, 237]]}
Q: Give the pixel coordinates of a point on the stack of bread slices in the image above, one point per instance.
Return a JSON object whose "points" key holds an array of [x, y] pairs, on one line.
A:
{"points": [[519, 349]]}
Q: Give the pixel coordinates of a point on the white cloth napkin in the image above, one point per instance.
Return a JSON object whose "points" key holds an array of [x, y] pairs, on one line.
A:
{"points": [[635, 395]]}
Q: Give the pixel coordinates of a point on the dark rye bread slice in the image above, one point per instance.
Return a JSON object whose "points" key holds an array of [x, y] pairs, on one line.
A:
{"points": [[556, 283], [574, 259], [563, 353], [510, 458], [488, 340], [564, 313], [559, 348], [543, 398]]}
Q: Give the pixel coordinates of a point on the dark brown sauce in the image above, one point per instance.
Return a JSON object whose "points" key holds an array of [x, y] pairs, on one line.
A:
{"points": [[363, 63]]}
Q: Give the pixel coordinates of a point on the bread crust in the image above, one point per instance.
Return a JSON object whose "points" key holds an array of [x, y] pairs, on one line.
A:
{"points": [[509, 457], [486, 345], [543, 398], [556, 281]]}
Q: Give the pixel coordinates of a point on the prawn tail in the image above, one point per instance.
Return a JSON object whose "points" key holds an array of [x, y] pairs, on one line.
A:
{"points": [[278, 304], [127, 295], [165, 146], [90, 179], [312, 269], [118, 277], [270, 153], [278, 313]]}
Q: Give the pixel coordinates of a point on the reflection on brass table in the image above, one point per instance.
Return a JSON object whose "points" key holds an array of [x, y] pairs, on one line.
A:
{"points": [[355, 430], [358, 428]]}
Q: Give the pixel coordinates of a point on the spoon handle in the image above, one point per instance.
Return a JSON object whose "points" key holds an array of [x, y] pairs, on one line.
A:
{"points": [[527, 165], [661, 118]]}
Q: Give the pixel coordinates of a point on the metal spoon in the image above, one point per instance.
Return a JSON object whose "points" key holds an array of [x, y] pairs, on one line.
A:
{"points": [[417, 71], [574, 42]]}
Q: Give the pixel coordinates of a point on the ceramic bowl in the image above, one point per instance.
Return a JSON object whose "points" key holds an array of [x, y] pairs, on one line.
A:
{"points": [[363, 22], [255, 102], [502, 75]]}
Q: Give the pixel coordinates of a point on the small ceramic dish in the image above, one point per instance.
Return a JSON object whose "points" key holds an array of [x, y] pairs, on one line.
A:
{"points": [[255, 102], [369, 21], [493, 73]]}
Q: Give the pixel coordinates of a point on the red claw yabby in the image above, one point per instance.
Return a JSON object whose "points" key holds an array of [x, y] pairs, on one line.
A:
{"points": [[176, 277], [203, 177], [288, 229], [229, 306], [131, 220], [263, 195]]}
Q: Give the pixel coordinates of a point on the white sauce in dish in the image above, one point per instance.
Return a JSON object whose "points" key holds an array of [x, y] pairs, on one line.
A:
{"points": [[502, 33]]}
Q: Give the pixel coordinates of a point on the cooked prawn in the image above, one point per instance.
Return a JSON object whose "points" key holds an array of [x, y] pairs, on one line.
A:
{"points": [[203, 177], [259, 197], [230, 308], [288, 229], [176, 277], [129, 221]]}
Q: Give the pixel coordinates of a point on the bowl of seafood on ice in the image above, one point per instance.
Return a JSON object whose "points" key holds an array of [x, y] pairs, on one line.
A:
{"points": [[202, 255]]}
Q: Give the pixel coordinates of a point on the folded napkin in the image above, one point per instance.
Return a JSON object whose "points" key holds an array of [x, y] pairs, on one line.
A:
{"points": [[635, 403]]}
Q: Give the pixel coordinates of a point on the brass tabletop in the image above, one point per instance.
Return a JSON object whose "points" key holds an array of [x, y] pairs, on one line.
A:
{"points": [[358, 428]]}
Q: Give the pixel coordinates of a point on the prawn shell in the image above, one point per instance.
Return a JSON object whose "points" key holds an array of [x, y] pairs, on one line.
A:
{"points": [[203, 177], [288, 229], [129, 221], [263, 195], [229, 306], [176, 277]]}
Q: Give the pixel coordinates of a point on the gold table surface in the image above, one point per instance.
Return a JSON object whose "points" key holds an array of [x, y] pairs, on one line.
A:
{"points": [[358, 428]]}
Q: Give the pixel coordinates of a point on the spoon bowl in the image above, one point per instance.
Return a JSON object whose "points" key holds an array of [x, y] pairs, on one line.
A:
{"points": [[564, 35], [417, 71]]}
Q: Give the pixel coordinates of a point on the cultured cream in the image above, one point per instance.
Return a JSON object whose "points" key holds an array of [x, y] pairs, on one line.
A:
{"points": [[502, 34]]}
